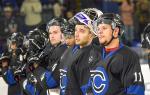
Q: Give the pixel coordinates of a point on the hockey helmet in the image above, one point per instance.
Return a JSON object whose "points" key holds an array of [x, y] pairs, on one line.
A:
{"points": [[146, 32], [112, 19], [16, 38], [87, 17], [57, 22], [4, 55]]}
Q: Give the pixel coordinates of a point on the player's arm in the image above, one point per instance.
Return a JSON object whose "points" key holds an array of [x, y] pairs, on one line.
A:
{"points": [[50, 81], [132, 77], [7, 74], [29, 87]]}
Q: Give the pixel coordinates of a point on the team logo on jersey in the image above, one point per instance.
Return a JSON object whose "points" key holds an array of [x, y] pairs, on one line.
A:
{"points": [[99, 81], [63, 80], [91, 58]]}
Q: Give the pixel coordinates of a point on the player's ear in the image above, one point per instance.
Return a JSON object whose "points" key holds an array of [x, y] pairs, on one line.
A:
{"points": [[116, 32]]}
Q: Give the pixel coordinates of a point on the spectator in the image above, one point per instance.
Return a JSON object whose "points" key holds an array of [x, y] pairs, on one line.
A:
{"points": [[127, 9], [47, 10], [32, 9], [69, 14], [11, 2], [58, 9]]}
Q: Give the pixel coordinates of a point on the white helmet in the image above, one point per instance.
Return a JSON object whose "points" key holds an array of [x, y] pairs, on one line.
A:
{"points": [[87, 17]]}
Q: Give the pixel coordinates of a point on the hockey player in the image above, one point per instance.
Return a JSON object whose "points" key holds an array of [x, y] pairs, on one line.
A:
{"points": [[68, 32], [75, 71], [69, 35], [15, 44], [51, 83], [13, 60], [146, 36], [55, 29], [53, 51], [8, 74], [37, 39], [119, 72], [146, 41], [68, 56]]}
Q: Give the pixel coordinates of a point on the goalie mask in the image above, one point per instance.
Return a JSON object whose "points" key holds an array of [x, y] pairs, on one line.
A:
{"points": [[87, 17], [93, 13]]}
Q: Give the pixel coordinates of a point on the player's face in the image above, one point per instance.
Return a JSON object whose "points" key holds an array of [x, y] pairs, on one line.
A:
{"points": [[104, 33], [82, 35], [70, 41], [4, 63], [13, 46], [8, 14], [55, 35]]}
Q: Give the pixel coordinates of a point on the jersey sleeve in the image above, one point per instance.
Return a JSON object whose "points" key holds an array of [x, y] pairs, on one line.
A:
{"points": [[46, 77], [132, 77], [29, 88], [50, 80], [8, 76]]}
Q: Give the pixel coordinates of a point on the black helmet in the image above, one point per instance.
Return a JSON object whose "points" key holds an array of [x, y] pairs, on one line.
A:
{"points": [[41, 30], [146, 36], [57, 22], [69, 29], [37, 39], [17, 38], [109, 18], [4, 55], [146, 32]]}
